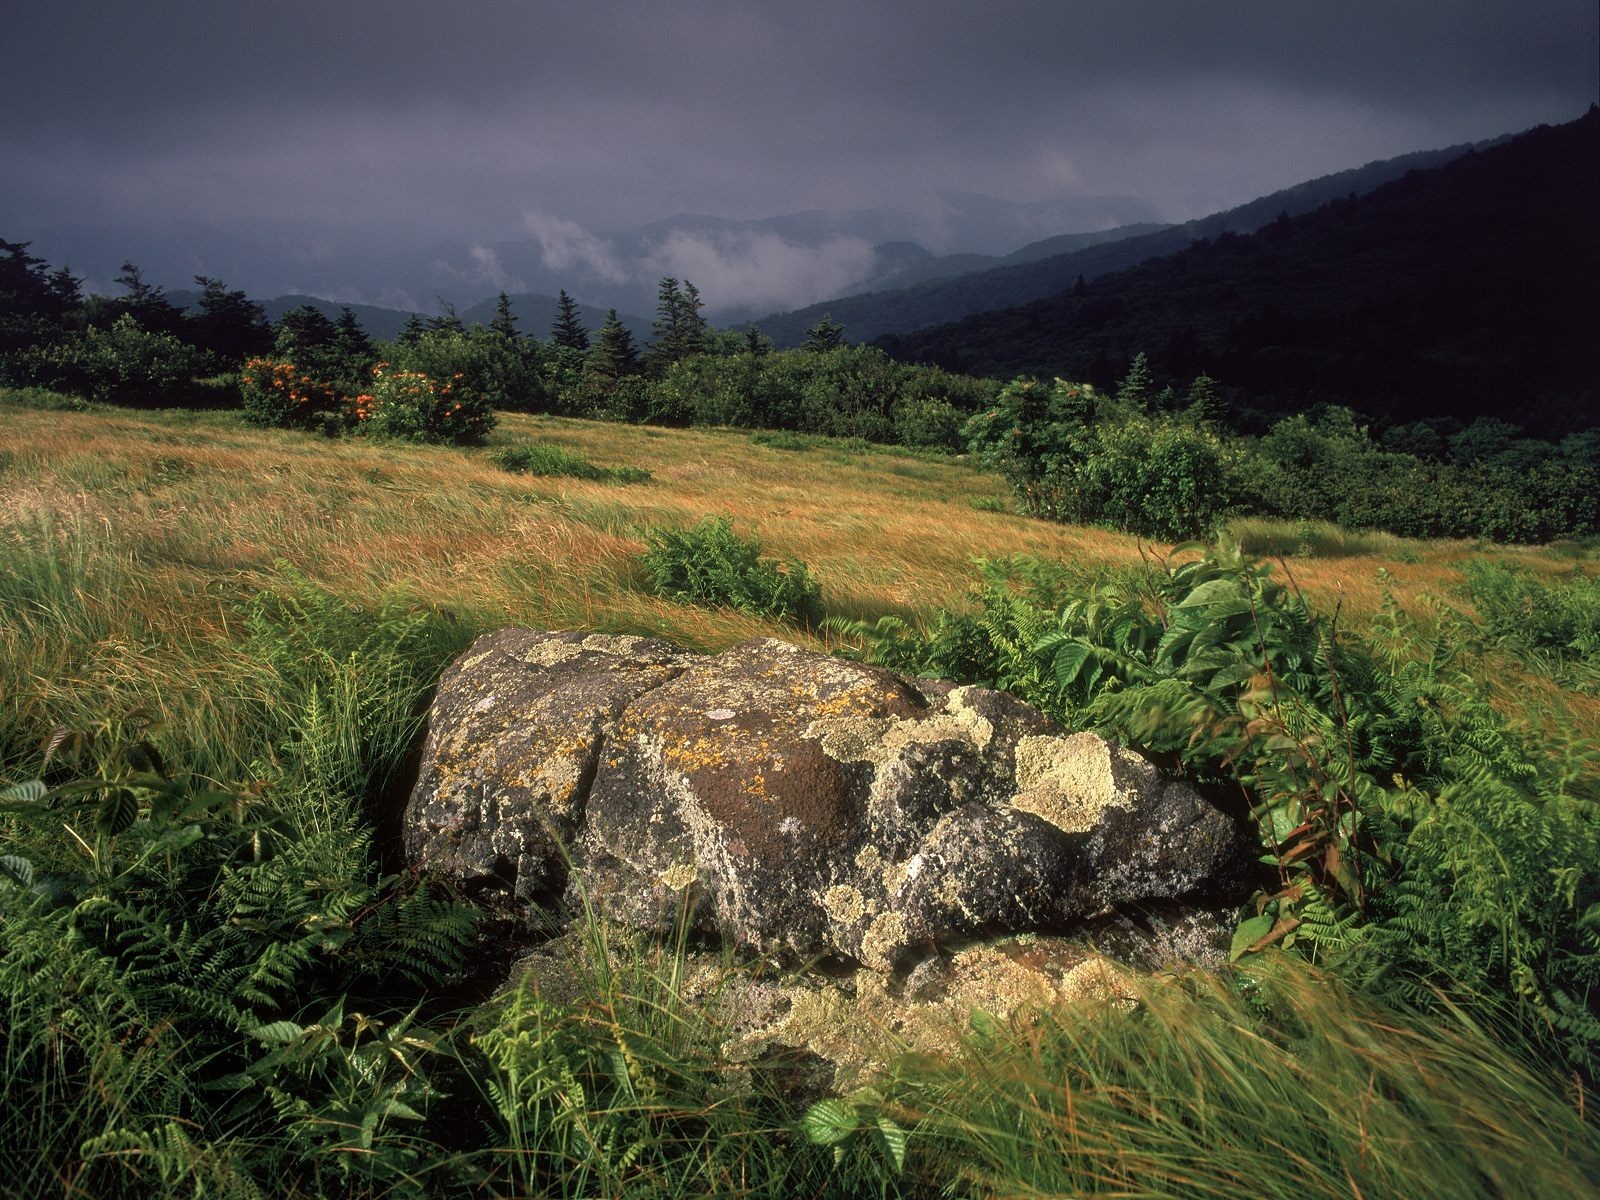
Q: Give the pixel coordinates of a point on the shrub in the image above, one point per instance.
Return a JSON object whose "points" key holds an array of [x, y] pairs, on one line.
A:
{"points": [[414, 407], [123, 364], [553, 460], [486, 370], [711, 564], [277, 394]]}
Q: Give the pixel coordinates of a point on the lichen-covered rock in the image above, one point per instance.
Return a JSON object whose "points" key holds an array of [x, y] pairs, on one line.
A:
{"points": [[513, 740], [791, 802]]}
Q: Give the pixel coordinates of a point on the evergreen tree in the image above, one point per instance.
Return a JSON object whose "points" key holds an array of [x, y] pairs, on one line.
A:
{"points": [[411, 332], [614, 354], [227, 323], [666, 331], [1136, 385], [755, 344], [695, 327], [826, 334], [303, 329], [351, 338], [34, 305], [1206, 404], [505, 321], [447, 321], [146, 303], [567, 330]]}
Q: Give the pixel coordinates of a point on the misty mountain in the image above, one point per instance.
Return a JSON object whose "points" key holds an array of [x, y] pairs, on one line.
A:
{"points": [[742, 267], [1471, 288], [1054, 264]]}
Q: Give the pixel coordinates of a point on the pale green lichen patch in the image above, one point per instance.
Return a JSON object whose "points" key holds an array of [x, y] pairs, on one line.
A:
{"points": [[843, 904], [880, 740], [883, 940], [678, 876], [1071, 781]]}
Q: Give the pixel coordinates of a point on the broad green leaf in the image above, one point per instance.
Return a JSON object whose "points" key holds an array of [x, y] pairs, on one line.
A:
{"points": [[893, 1141], [829, 1121], [1248, 933]]}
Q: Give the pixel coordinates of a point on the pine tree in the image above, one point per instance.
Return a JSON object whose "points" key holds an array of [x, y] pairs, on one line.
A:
{"points": [[351, 338], [447, 321], [826, 334], [228, 323], [1206, 404], [1135, 388], [567, 330], [666, 331], [147, 303], [614, 354], [505, 321], [411, 332], [695, 326]]}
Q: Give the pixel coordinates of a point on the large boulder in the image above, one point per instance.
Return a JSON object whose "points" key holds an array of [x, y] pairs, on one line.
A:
{"points": [[790, 802]]}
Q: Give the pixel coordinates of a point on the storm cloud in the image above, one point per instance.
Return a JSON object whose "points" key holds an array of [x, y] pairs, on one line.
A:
{"points": [[405, 122]]}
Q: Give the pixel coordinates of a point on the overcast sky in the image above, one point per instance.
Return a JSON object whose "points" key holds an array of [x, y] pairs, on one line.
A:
{"points": [[461, 119]]}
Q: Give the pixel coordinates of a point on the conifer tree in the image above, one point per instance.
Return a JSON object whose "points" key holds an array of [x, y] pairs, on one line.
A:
{"points": [[1206, 404], [755, 344], [411, 332], [826, 334], [447, 321], [695, 326], [227, 322], [351, 338], [613, 354], [505, 321], [1135, 388], [567, 330]]}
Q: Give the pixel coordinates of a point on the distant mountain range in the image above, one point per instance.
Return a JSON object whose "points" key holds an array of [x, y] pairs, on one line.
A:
{"points": [[742, 267], [1046, 267], [1464, 289]]}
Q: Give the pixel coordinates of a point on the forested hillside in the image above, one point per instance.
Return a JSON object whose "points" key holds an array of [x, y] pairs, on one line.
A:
{"points": [[1044, 268], [1462, 290]]}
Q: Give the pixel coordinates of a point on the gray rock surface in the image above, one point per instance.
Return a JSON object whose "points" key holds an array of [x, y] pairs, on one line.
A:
{"points": [[790, 802]]}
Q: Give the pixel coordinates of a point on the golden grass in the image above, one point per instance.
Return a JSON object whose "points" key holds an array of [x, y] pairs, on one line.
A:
{"points": [[206, 505]]}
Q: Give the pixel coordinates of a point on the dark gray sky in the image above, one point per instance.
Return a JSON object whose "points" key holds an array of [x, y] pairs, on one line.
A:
{"points": [[467, 119]]}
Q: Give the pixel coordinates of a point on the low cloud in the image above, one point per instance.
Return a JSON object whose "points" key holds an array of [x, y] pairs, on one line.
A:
{"points": [[752, 270], [484, 267], [566, 245]]}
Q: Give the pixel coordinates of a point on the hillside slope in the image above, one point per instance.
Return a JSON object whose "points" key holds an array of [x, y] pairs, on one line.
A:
{"points": [[1042, 269], [1463, 290]]}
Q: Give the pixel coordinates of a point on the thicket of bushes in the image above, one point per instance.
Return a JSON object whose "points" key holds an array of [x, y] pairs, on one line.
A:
{"points": [[1072, 454]]}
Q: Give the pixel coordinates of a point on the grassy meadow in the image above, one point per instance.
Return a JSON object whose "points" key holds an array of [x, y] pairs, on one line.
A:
{"points": [[271, 610]]}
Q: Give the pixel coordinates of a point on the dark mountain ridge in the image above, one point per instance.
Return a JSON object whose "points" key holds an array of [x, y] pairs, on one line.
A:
{"points": [[1462, 290], [1043, 268]]}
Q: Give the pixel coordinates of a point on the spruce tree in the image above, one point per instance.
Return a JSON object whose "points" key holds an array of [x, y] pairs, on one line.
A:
{"points": [[695, 326], [826, 334], [1206, 404], [567, 330], [505, 321], [411, 332], [227, 323], [614, 354], [1135, 388], [666, 331], [447, 321]]}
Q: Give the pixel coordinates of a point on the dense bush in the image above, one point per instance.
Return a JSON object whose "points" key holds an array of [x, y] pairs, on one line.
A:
{"points": [[486, 368], [414, 407], [277, 394], [119, 364], [1073, 455], [711, 564]]}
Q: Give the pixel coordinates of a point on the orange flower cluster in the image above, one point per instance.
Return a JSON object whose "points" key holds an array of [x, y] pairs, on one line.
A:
{"points": [[287, 380]]}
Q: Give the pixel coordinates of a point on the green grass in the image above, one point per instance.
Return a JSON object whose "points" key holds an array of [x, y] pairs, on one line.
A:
{"points": [[553, 460], [272, 610]]}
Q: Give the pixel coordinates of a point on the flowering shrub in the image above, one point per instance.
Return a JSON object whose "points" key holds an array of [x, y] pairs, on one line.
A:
{"points": [[279, 394], [418, 408]]}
